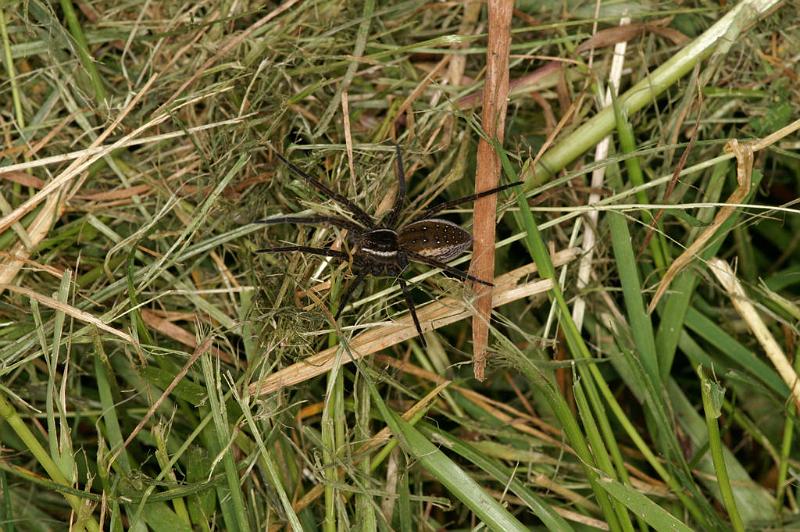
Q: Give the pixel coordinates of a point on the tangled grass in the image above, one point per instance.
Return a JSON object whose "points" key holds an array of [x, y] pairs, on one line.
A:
{"points": [[158, 373]]}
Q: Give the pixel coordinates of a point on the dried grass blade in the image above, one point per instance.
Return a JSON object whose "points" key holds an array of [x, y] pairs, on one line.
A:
{"points": [[69, 310]]}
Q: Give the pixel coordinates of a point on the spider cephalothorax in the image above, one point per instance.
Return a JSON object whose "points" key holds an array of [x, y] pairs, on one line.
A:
{"points": [[386, 247]]}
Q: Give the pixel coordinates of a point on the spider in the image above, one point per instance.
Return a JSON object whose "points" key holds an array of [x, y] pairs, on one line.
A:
{"points": [[385, 247]]}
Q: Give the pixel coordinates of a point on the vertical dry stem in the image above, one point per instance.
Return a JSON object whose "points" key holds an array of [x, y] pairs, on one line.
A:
{"points": [[495, 95]]}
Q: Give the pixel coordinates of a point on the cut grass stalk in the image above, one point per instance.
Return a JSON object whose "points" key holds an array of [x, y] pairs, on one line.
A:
{"points": [[712, 408]]}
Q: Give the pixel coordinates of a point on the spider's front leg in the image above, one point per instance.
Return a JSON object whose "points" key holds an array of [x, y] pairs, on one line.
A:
{"points": [[322, 252]]}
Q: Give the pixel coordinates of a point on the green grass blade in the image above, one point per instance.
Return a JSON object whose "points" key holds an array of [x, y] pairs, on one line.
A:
{"points": [[653, 514], [456, 480], [539, 507]]}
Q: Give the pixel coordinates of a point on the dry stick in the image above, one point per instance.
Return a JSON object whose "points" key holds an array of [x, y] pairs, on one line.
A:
{"points": [[487, 176], [744, 172], [432, 316], [748, 312]]}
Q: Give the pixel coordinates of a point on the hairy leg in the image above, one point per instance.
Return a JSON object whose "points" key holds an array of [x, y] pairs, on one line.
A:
{"points": [[357, 212], [444, 267], [472, 197], [412, 309], [336, 221]]}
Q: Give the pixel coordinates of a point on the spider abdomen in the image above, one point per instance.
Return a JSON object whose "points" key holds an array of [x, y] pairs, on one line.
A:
{"points": [[434, 238]]}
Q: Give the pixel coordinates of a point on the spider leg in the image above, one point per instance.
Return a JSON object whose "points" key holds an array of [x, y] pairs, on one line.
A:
{"points": [[416, 257], [335, 221], [345, 298], [400, 198], [472, 197], [412, 309], [358, 214], [324, 252]]}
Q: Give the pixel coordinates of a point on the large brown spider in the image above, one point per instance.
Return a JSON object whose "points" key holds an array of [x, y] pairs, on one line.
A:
{"points": [[386, 247]]}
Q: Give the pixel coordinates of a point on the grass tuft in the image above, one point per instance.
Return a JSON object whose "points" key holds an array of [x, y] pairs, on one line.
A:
{"points": [[159, 373]]}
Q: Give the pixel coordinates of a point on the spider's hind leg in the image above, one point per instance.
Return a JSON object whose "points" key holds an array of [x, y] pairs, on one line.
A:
{"points": [[412, 309], [464, 276], [472, 197], [348, 293]]}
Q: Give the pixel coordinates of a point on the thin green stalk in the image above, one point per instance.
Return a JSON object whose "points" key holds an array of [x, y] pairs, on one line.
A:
{"points": [[85, 56], [105, 377], [598, 449], [58, 429], [569, 425], [6, 507], [162, 457], [404, 498], [234, 511], [640, 325], [786, 443], [334, 399], [12, 76], [270, 466], [365, 513], [711, 407], [627, 143]]}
